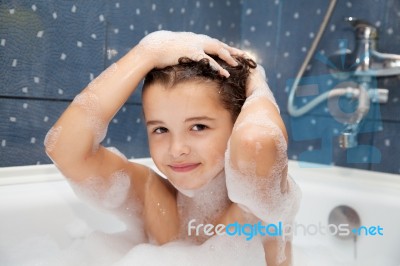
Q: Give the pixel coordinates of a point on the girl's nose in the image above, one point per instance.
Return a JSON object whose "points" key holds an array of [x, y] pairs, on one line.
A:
{"points": [[179, 148]]}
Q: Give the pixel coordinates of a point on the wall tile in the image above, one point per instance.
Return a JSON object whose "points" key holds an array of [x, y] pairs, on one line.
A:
{"points": [[50, 49], [24, 124], [23, 127], [386, 141], [316, 139]]}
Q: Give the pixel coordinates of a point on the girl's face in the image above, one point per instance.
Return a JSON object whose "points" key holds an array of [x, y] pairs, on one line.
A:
{"points": [[188, 131]]}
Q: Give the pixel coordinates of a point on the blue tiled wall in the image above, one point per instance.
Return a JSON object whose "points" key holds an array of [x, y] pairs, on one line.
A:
{"points": [[49, 51]]}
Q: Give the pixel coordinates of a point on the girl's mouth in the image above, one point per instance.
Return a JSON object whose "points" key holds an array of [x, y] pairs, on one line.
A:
{"points": [[181, 168]]}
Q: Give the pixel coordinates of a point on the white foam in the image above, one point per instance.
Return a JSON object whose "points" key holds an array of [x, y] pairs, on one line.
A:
{"points": [[118, 191], [51, 138], [89, 102], [273, 198], [178, 39], [106, 74], [78, 229], [207, 204], [108, 193], [186, 44], [221, 250], [100, 249], [262, 91]]}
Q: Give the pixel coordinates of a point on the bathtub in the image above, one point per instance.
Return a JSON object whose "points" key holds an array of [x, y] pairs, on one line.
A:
{"points": [[36, 202]]}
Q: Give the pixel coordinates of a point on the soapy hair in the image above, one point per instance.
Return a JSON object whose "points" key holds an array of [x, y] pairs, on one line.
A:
{"points": [[231, 91]]}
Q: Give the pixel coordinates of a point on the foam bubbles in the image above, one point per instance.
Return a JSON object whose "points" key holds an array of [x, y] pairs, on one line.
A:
{"points": [[221, 250], [98, 249], [184, 43], [207, 204], [116, 195], [78, 229], [89, 102], [120, 249], [51, 138], [158, 39], [113, 194], [262, 92], [106, 74], [271, 198], [108, 193]]}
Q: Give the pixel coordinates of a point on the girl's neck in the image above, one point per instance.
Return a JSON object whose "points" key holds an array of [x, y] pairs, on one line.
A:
{"points": [[206, 206]]}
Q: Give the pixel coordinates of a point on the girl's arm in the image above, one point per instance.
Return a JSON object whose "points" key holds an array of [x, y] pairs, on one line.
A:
{"points": [[256, 168], [105, 175], [256, 160]]}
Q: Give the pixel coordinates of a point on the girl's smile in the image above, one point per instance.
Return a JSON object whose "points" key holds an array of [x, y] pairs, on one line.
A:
{"points": [[184, 167]]}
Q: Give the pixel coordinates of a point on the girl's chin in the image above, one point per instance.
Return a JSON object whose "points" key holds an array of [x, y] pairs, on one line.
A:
{"points": [[191, 186], [187, 192], [183, 187]]}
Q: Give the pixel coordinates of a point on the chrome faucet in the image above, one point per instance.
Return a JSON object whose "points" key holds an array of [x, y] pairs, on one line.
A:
{"points": [[363, 63], [348, 138], [365, 60]]}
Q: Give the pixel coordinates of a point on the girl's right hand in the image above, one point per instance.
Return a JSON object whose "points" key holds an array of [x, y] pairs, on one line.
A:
{"points": [[164, 48]]}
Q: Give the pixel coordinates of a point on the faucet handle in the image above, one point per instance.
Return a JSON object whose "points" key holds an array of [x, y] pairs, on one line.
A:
{"points": [[363, 29]]}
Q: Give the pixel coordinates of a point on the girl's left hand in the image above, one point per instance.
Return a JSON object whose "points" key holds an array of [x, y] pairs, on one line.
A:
{"points": [[256, 80]]}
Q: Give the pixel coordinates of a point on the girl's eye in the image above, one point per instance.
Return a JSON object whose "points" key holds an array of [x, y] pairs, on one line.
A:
{"points": [[199, 127], [160, 130]]}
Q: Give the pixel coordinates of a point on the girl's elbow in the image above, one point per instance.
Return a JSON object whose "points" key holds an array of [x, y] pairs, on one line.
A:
{"points": [[255, 142]]}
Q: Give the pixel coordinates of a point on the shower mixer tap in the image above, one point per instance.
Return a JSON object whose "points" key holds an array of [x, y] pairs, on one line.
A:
{"points": [[363, 63]]}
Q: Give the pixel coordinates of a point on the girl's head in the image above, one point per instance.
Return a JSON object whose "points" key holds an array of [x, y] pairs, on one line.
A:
{"points": [[189, 111], [231, 91]]}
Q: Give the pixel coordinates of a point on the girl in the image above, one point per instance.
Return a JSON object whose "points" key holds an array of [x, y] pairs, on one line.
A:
{"points": [[214, 132]]}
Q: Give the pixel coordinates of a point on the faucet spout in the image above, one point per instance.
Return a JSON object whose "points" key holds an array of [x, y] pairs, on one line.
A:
{"points": [[365, 60], [348, 138]]}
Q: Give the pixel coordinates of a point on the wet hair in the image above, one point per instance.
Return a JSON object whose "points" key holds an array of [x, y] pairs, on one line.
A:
{"points": [[231, 91]]}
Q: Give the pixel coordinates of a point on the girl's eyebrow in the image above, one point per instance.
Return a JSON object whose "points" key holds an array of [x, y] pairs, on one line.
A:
{"points": [[190, 119], [201, 118], [154, 122]]}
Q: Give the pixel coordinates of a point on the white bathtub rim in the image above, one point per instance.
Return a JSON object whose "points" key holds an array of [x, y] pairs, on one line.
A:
{"points": [[41, 173], [313, 173]]}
